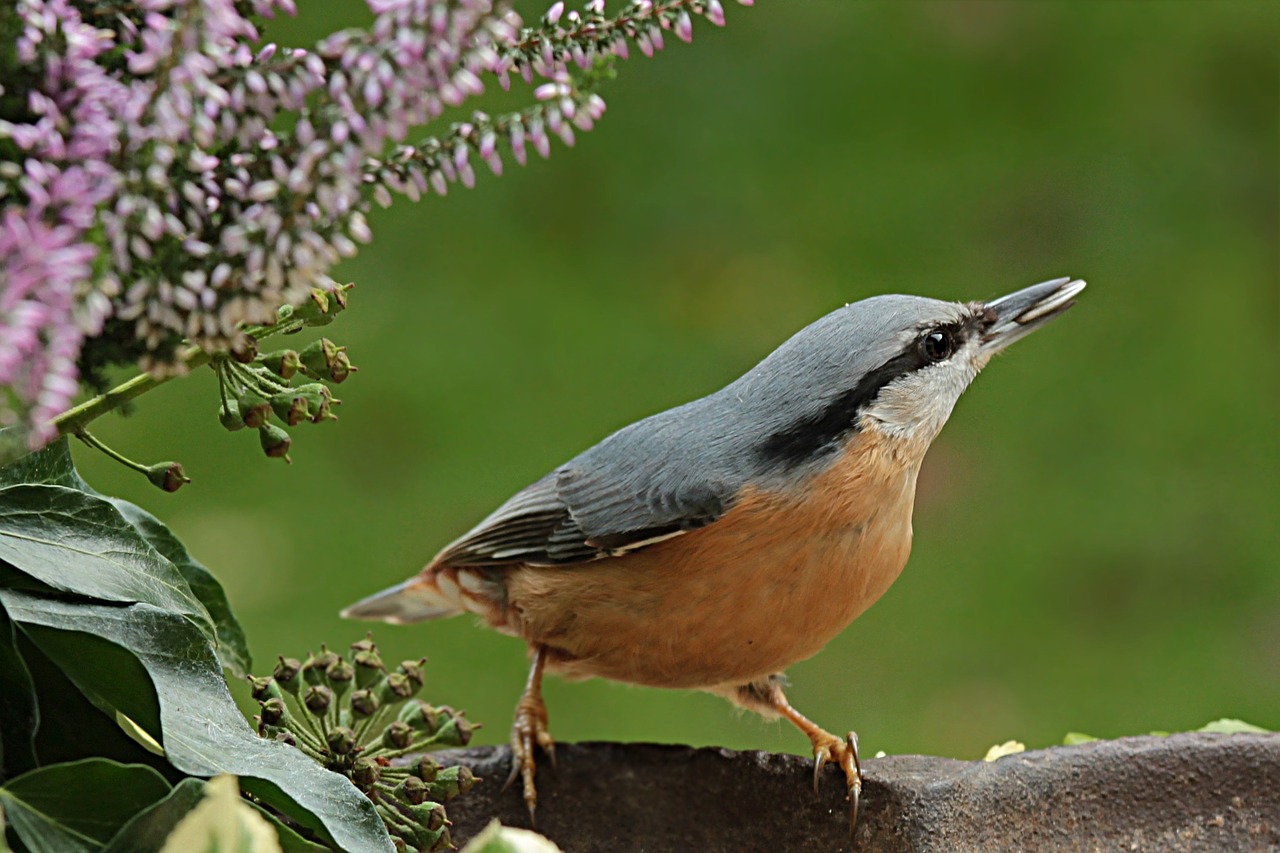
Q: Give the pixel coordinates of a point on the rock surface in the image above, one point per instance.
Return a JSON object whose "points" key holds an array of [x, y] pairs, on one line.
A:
{"points": [[1186, 792]]}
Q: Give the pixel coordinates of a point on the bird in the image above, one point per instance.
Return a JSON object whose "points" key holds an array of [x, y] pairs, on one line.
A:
{"points": [[713, 545]]}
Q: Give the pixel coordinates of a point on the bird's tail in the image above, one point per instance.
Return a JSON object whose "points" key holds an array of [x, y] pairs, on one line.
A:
{"points": [[437, 592], [416, 600]]}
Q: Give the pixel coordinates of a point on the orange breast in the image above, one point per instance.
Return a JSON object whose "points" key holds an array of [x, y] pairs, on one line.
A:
{"points": [[767, 585]]}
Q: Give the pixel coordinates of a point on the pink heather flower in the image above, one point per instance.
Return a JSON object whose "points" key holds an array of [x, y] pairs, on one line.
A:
{"points": [[151, 193], [684, 27]]}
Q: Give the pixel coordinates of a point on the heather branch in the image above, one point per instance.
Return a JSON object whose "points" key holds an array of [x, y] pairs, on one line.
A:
{"points": [[74, 420]]}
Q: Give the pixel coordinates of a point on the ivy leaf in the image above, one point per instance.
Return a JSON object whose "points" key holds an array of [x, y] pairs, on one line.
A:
{"points": [[223, 821], [19, 713], [72, 727], [233, 648], [1230, 727], [79, 805], [496, 838], [204, 733], [148, 829], [53, 466], [81, 544]]}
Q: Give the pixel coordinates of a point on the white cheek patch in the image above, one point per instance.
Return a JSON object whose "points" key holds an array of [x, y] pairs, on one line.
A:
{"points": [[918, 404]]}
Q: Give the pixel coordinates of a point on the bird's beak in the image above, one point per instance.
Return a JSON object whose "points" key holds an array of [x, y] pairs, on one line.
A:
{"points": [[1021, 313]]}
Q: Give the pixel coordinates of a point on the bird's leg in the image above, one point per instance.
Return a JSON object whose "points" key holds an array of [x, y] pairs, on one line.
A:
{"points": [[767, 696], [530, 731]]}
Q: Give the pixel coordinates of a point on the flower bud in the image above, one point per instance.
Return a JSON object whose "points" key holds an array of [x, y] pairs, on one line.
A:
{"points": [[318, 698], [369, 668], [340, 673], [314, 310], [396, 688], [341, 740], [450, 783], [260, 688], [338, 298], [275, 441], [273, 711], [317, 399], [283, 362], [398, 735], [365, 645], [412, 789], [289, 407], [286, 737], [229, 416], [456, 731], [313, 671], [365, 773], [255, 410], [341, 367], [420, 716], [364, 703], [167, 475], [413, 670], [429, 814], [427, 769], [287, 670], [317, 356]]}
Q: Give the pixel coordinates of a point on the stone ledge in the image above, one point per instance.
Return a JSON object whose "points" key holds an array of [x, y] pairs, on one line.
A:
{"points": [[1191, 791]]}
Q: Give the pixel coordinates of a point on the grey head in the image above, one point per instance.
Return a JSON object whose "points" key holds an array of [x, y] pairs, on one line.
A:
{"points": [[895, 364]]}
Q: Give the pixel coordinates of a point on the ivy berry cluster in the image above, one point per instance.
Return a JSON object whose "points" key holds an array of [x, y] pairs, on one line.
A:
{"points": [[362, 720], [256, 387]]}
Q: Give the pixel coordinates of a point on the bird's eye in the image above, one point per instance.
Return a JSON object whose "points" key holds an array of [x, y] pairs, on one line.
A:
{"points": [[937, 345]]}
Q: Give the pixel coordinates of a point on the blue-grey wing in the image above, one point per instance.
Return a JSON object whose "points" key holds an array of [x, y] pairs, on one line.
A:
{"points": [[579, 513]]}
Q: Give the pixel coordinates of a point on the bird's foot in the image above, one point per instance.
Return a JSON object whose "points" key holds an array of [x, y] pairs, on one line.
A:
{"points": [[528, 733], [828, 748]]}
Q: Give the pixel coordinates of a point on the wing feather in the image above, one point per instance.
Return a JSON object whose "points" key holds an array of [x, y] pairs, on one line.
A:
{"points": [[580, 513]]}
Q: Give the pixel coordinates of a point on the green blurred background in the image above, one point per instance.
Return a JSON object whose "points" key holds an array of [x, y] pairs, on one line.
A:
{"points": [[1096, 531]]}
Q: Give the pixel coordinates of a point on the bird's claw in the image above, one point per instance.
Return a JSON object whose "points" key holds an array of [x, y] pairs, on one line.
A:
{"points": [[528, 733], [844, 752]]}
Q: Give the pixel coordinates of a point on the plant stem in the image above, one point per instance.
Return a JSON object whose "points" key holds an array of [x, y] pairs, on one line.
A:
{"points": [[74, 420], [89, 439]]}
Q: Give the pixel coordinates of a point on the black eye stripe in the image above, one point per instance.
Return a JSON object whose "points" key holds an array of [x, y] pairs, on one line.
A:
{"points": [[822, 431]]}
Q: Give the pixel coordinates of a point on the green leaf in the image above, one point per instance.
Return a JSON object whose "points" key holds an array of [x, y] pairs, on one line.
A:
{"points": [[54, 466], [147, 830], [290, 841], [223, 822], [1074, 738], [82, 803], [233, 649], [19, 714], [1231, 727], [71, 727], [51, 466], [81, 544], [496, 838], [109, 676], [204, 733]]}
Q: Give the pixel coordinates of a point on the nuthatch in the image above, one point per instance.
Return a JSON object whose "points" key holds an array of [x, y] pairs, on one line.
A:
{"points": [[713, 545]]}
